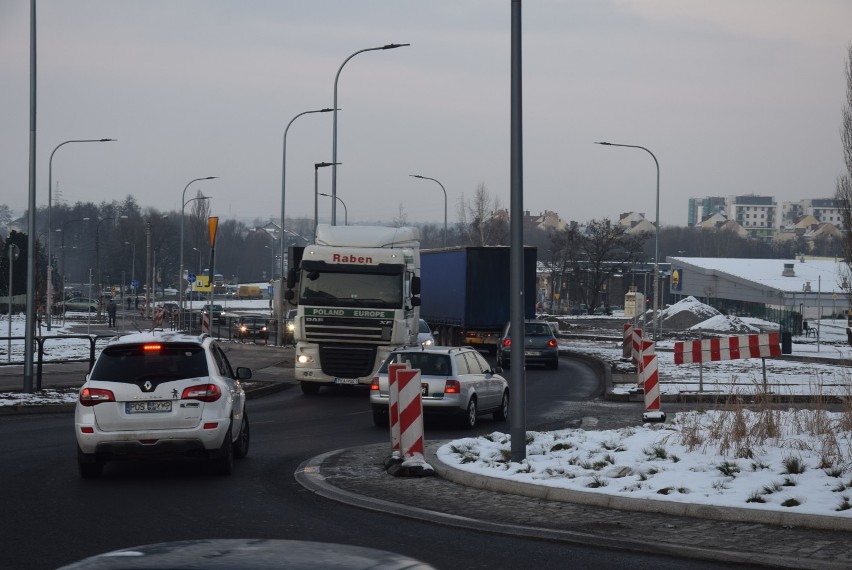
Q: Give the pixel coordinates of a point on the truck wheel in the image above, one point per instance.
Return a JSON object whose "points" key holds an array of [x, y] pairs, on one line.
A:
{"points": [[310, 388]]}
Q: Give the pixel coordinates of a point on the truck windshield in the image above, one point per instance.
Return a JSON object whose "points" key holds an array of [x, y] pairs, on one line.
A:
{"points": [[330, 289]]}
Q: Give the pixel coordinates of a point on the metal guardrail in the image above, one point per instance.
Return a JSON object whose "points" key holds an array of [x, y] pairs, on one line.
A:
{"points": [[39, 350]]}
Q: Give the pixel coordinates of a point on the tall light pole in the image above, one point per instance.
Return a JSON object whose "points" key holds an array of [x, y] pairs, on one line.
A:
{"points": [[278, 309], [656, 233], [49, 295], [345, 209], [334, 128], [133, 266], [284, 166], [62, 247], [98, 261], [445, 201], [317, 166], [184, 202]]}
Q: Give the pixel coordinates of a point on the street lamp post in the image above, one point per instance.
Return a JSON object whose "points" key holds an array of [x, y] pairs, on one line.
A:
{"points": [[334, 128], [278, 312], [184, 202], [445, 201], [62, 247], [49, 295], [317, 166], [656, 282], [345, 209], [98, 285], [284, 165], [132, 267]]}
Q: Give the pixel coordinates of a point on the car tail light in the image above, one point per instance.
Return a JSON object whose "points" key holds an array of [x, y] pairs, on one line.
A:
{"points": [[551, 343], [204, 393], [507, 342], [87, 429], [94, 396], [471, 335], [152, 347], [211, 425], [452, 387], [374, 385]]}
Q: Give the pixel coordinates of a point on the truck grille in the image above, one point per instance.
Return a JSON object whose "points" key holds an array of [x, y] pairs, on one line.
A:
{"points": [[348, 329], [347, 361]]}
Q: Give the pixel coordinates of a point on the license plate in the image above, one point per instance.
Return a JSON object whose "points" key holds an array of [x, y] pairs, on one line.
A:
{"points": [[148, 407], [345, 380], [424, 389], [533, 353]]}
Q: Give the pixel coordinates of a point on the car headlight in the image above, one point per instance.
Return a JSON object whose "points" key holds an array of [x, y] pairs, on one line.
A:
{"points": [[427, 342], [291, 326], [243, 328]]}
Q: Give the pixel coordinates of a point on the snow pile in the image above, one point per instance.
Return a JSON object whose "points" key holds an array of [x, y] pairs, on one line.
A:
{"points": [[686, 313], [725, 323], [682, 462]]}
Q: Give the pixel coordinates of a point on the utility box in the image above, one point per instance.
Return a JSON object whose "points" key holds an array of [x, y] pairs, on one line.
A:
{"points": [[634, 304]]}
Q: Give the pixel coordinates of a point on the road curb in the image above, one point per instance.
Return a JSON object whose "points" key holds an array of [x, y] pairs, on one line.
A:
{"points": [[310, 475]]}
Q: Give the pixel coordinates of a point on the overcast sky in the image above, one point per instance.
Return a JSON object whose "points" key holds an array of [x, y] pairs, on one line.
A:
{"points": [[732, 96]]}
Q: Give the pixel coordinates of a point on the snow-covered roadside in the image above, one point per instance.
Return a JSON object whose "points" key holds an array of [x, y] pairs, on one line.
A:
{"points": [[709, 458]]}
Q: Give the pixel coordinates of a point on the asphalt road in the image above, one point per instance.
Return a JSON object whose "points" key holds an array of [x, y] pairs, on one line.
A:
{"points": [[51, 517]]}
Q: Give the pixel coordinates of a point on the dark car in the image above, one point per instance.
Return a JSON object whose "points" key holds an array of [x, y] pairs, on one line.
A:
{"points": [[217, 313], [540, 346], [250, 326]]}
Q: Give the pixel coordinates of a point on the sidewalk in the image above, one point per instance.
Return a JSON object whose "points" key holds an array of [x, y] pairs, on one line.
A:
{"points": [[357, 477]]}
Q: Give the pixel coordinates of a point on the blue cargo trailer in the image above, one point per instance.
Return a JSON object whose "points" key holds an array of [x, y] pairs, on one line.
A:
{"points": [[465, 293]]}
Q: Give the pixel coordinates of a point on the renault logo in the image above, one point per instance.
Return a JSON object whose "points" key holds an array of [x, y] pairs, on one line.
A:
{"points": [[147, 386]]}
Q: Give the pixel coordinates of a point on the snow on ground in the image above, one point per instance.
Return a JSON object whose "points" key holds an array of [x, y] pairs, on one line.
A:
{"points": [[681, 462]]}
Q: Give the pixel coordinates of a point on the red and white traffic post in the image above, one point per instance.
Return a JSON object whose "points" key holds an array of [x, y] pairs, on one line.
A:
{"points": [[649, 373]]}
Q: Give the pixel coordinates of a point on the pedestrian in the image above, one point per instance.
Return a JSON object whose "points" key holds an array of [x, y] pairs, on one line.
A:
{"points": [[111, 308]]}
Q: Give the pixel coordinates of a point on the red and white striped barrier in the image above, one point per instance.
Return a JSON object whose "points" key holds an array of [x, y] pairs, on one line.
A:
{"points": [[627, 345], [410, 413], [205, 323], [646, 347], [158, 317], [729, 348], [393, 403], [637, 346]]}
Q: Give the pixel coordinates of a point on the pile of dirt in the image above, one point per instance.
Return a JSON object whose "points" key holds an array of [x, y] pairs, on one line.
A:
{"points": [[686, 313]]}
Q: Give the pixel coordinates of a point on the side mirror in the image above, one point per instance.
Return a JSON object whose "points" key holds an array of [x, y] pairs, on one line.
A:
{"points": [[291, 279], [243, 373], [498, 370], [415, 301], [415, 285], [289, 294]]}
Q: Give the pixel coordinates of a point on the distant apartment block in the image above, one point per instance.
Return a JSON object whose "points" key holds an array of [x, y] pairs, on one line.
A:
{"points": [[761, 216]]}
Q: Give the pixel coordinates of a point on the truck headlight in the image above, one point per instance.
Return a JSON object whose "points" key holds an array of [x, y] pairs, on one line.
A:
{"points": [[304, 359]]}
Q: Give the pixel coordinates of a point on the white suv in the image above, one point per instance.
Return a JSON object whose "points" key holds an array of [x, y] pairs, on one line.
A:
{"points": [[157, 394], [454, 381]]}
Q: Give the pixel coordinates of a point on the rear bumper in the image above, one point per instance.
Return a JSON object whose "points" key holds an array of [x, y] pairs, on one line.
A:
{"points": [[159, 443]]}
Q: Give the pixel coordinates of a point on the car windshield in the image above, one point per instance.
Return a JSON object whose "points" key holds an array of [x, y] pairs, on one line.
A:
{"points": [[429, 364], [131, 363], [424, 328]]}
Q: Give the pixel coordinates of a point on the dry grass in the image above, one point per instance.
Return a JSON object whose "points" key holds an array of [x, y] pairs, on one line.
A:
{"points": [[742, 431]]}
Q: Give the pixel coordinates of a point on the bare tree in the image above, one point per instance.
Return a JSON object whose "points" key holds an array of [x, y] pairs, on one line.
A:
{"points": [[401, 218], [843, 192], [483, 220], [594, 254]]}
